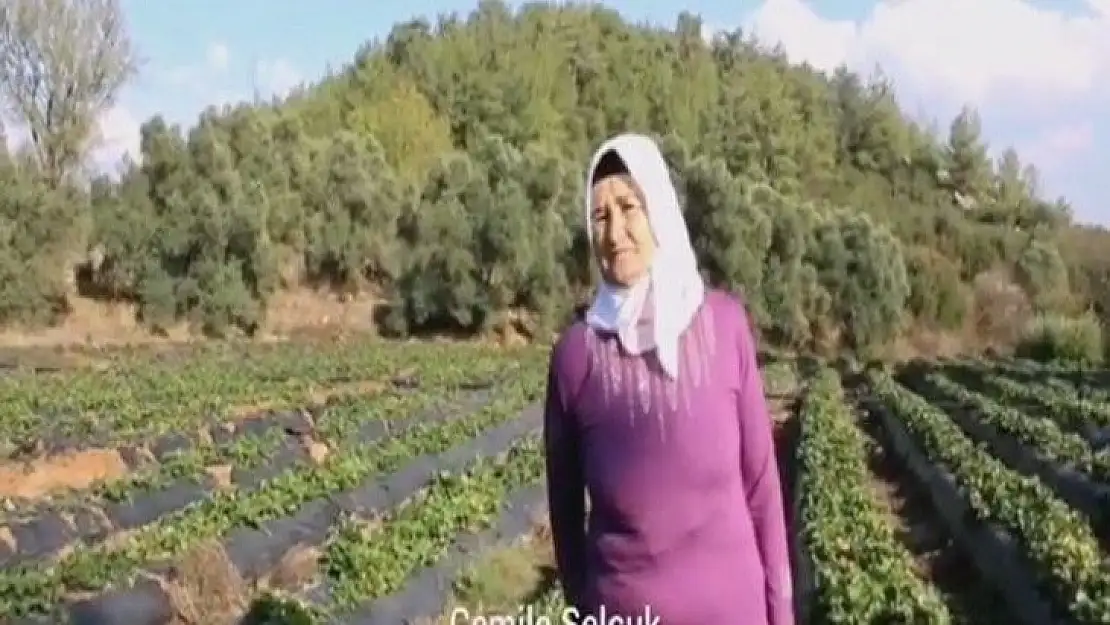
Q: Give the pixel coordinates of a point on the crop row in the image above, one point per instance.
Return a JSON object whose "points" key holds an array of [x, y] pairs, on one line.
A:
{"points": [[246, 442], [862, 572], [1031, 445], [48, 530], [387, 543], [1088, 416], [1042, 436], [256, 450], [364, 566], [27, 589], [135, 402], [1017, 519], [1061, 377]]}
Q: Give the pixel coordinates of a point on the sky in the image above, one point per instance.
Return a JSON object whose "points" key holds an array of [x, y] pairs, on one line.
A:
{"points": [[1038, 71]]}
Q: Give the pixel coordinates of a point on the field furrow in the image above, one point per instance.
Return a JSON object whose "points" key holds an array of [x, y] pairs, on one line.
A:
{"points": [[937, 555], [860, 568], [1086, 414], [1042, 555], [1031, 446], [357, 454], [402, 483]]}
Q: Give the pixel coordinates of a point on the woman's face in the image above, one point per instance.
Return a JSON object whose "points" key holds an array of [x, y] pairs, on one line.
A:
{"points": [[623, 241]]}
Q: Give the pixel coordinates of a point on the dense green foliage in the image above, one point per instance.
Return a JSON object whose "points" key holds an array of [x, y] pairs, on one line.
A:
{"points": [[442, 170], [1067, 339]]}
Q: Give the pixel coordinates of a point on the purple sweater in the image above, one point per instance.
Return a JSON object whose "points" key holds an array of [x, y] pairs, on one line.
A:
{"points": [[685, 511]]}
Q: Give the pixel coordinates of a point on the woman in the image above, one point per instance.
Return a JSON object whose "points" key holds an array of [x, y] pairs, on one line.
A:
{"points": [[655, 407]]}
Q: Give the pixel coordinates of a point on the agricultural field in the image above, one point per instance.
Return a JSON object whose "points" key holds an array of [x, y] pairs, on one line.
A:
{"points": [[953, 492], [378, 482], [282, 484]]}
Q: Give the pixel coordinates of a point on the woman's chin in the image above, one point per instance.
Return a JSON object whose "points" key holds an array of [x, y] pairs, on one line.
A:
{"points": [[625, 279]]}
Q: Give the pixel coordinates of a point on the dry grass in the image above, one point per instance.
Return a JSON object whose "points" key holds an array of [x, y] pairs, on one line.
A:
{"points": [[506, 578], [206, 589]]}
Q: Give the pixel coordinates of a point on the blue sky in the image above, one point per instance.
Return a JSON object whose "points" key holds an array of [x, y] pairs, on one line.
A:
{"points": [[1038, 71]]}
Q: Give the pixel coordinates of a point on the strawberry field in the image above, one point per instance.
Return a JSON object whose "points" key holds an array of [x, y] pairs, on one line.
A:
{"points": [[390, 482], [285, 484], [955, 492]]}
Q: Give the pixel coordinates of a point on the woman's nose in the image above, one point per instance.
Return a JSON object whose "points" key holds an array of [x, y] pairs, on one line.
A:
{"points": [[614, 230]]}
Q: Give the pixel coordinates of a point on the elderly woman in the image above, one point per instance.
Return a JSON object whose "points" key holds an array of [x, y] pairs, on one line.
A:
{"points": [[655, 407]]}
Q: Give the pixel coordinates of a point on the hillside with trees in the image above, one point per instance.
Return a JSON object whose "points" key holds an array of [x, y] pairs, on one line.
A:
{"points": [[441, 171]]}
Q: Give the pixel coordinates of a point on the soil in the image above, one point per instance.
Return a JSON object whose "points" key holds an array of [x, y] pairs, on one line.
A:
{"points": [[7, 538], [786, 441], [937, 557], [37, 478], [290, 312], [76, 470], [221, 475], [317, 397]]}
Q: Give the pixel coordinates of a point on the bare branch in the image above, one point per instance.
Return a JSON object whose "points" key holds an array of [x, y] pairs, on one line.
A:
{"points": [[62, 64]]}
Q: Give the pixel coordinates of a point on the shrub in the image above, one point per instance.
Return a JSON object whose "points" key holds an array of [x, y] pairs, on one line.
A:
{"points": [[1053, 337]]}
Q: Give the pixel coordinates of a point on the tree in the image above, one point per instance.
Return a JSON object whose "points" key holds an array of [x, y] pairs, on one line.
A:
{"points": [[439, 175], [969, 168], [62, 64]]}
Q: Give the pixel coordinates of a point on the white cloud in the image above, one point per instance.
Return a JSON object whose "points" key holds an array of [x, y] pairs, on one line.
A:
{"points": [[805, 35], [218, 56], [203, 82], [1039, 77], [119, 127], [14, 136], [197, 76], [117, 135], [277, 77], [981, 52]]}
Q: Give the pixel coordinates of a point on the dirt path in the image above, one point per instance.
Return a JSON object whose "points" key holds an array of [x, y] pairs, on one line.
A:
{"points": [[938, 558], [786, 440]]}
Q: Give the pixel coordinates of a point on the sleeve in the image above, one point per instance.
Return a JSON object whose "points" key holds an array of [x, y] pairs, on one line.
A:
{"points": [[565, 489], [759, 466]]}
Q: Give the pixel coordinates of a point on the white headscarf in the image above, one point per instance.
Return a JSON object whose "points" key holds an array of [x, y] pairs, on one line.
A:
{"points": [[673, 284]]}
